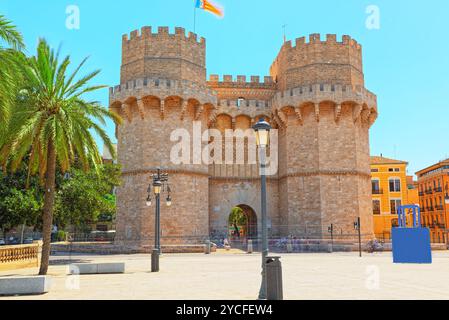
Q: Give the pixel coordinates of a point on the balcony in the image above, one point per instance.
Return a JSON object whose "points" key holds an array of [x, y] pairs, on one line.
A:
{"points": [[429, 191], [377, 191], [421, 193], [439, 207], [430, 209], [439, 189]]}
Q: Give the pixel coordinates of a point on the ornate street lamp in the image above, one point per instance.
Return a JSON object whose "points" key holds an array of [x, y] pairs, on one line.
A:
{"points": [[262, 132], [159, 185]]}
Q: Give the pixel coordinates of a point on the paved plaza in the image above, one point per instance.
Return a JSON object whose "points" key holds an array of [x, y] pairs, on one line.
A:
{"points": [[236, 275]]}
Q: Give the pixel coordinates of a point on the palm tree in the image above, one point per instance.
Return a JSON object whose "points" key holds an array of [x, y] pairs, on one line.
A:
{"points": [[52, 125], [13, 39]]}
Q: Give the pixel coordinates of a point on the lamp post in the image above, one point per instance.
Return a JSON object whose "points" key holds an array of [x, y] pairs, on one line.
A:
{"points": [[358, 228], [330, 229], [159, 184], [262, 132]]}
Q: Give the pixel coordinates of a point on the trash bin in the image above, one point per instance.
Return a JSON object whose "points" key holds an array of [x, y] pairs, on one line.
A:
{"points": [[274, 278], [207, 246]]}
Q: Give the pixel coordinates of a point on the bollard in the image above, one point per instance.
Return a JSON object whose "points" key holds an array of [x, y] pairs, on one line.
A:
{"points": [[289, 246], [207, 246], [155, 260], [250, 246], [274, 278]]}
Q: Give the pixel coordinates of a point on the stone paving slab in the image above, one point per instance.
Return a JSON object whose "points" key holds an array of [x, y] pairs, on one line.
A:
{"points": [[237, 276]]}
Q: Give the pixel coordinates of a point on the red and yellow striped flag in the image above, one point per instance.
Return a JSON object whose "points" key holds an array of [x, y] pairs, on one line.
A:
{"points": [[206, 5]]}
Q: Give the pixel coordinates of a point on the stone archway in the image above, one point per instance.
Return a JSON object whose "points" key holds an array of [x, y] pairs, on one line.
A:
{"points": [[247, 226]]}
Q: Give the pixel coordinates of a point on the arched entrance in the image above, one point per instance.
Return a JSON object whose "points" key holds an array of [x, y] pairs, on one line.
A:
{"points": [[242, 222]]}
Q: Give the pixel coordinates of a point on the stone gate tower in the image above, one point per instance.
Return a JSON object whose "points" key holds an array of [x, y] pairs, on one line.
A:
{"points": [[324, 114], [314, 96], [163, 88]]}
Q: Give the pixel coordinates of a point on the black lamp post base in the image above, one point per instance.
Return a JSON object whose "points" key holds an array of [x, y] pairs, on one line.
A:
{"points": [[155, 260]]}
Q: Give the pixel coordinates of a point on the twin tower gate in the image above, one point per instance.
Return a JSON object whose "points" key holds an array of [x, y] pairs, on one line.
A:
{"points": [[314, 96]]}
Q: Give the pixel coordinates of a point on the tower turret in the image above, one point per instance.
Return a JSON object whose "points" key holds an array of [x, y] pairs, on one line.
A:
{"points": [[163, 88], [324, 114]]}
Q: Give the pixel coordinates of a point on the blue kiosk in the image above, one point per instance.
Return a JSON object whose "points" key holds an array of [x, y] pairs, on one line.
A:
{"points": [[411, 245]]}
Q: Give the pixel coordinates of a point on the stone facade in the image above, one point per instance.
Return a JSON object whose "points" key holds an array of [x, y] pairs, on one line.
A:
{"points": [[314, 96]]}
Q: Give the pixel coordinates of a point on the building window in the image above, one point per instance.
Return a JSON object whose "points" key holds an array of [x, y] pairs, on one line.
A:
{"points": [[395, 223], [375, 186], [376, 207], [395, 185], [394, 205], [396, 170], [374, 170], [240, 102]]}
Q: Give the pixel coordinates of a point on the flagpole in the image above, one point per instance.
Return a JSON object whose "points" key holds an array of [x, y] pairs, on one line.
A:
{"points": [[194, 19]]}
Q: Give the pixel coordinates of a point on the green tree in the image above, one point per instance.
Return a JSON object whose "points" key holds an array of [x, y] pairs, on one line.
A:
{"points": [[53, 125], [11, 37], [19, 204], [85, 198], [237, 217], [19, 207]]}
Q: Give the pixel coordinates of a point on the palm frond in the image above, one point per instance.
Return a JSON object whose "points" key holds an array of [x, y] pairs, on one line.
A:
{"points": [[10, 34]]}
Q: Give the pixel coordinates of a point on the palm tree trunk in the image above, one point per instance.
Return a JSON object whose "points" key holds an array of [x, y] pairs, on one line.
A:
{"points": [[49, 199]]}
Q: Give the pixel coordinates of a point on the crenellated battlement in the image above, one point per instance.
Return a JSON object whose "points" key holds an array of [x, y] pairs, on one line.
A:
{"points": [[244, 104], [164, 54], [331, 92], [317, 94], [162, 88], [240, 80], [157, 83], [315, 38], [147, 33], [313, 60]]}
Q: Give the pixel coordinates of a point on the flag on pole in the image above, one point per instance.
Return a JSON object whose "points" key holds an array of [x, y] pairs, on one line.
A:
{"points": [[206, 5]]}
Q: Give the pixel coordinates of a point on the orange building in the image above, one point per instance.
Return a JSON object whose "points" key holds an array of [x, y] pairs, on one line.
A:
{"points": [[391, 188], [433, 186], [412, 191]]}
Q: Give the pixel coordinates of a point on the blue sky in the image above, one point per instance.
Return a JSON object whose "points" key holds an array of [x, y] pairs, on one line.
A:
{"points": [[405, 61]]}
